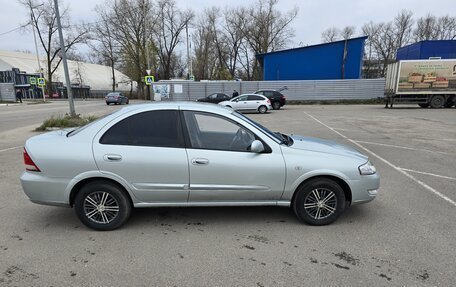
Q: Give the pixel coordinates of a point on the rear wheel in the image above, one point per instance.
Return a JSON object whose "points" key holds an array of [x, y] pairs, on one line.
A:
{"points": [[101, 205], [319, 201], [437, 101], [424, 105], [276, 105], [262, 109]]}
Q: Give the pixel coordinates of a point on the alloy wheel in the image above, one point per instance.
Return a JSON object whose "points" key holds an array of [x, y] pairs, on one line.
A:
{"points": [[320, 203], [101, 207]]}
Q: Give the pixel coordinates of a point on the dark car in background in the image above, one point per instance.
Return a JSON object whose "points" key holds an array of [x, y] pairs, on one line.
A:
{"points": [[277, 99], [215, 98], [116, 98]]}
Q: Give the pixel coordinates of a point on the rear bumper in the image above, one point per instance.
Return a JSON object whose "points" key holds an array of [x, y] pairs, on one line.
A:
{"points": [[44, 190]]}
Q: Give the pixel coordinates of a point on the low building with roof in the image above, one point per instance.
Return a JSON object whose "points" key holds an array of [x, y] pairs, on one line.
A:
{"points": [[328, 61], [16, 69]]}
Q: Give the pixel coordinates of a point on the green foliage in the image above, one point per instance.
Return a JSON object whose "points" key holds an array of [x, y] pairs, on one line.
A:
{"points": [[65, 121]]}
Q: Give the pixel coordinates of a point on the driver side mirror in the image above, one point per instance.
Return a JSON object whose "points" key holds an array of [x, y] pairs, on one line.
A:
{"points": [[257, 146]]}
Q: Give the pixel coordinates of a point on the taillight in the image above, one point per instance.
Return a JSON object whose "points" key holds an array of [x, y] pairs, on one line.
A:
{"points": [[269, 101], [283, 97], [29, 164]]}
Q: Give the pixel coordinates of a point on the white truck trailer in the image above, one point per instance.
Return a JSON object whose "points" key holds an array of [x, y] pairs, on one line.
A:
{"points": [[428, 83]]}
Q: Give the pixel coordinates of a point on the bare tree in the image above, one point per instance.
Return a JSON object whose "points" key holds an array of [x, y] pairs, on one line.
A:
{"points": [[267, 28], [433, 28], [104, 42], [446, 28], [382, 40], [234, 23], [204, 47], [170, 23], [402, 24], [347, 32], [426, 28], [132, 28], [44, 21], [330, 35]]}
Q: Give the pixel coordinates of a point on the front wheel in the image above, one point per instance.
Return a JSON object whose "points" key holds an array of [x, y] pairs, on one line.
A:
{"points": [[319, 202], [262, 109], [102, 206]]}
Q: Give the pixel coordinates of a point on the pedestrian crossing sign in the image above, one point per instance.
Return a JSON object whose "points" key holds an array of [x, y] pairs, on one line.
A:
{"points": [[149, 80], [41, 82]]}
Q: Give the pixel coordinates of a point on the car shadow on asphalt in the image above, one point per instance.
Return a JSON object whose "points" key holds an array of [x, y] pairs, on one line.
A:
{"points": [[199, 216]]}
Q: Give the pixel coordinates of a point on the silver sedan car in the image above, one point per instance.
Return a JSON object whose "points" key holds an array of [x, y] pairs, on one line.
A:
{"points": [[191, 154]]}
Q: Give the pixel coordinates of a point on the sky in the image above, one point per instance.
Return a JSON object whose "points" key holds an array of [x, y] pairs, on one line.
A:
{"points": [[314, 16]]}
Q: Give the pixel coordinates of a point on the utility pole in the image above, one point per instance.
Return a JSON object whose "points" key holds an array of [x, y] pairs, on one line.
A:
{"points": [[36, 47], [64, 60], [147, 52], [188, 53]]}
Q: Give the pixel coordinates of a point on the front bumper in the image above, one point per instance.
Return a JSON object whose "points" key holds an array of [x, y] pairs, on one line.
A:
{"points": [[365, 189], [44, 190]]}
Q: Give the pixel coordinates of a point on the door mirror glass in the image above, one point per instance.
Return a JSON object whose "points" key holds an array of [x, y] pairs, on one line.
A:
{"points": [[257, 146]]}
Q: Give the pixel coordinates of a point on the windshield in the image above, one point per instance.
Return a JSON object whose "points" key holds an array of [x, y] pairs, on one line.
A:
{"points": [[260, 127]]}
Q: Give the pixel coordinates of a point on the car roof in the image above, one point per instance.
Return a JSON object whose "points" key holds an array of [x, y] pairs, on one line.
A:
{"points": [[182, 105]]}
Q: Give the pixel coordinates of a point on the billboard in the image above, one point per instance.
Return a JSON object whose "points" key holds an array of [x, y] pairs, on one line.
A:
{"points": [[427, 76]]}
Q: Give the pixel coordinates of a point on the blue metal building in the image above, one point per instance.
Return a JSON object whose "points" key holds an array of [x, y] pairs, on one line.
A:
{"points": [[445, 49], [328, 61]]}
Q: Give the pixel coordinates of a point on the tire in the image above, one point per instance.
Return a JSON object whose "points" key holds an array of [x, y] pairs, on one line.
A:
{"points": [[313, 214], [449, 103], [437, 101], [276, 106], [424, 105], [93, 214], [262, 109], [107, 104]]}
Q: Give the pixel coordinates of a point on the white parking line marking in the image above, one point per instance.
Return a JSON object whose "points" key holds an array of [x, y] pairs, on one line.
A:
{"points": [[444, 197], [427, 173], [404, 147], [10, 148]]}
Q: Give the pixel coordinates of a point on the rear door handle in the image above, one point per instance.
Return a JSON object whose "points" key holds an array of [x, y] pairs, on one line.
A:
{"points": [[200, 161], [112, 157]]}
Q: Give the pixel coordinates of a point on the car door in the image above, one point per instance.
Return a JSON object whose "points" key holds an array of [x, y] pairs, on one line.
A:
{"points": [[222, 169], [255, 101], [147, 151], [241, 103], [212, 98]]}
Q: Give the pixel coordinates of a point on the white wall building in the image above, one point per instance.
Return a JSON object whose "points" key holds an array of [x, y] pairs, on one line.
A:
{"points": [[98, 77]]}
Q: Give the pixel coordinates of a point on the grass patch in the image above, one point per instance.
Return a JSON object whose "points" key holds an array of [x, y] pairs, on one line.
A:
{"points": [[338, 102], [65, 121]]}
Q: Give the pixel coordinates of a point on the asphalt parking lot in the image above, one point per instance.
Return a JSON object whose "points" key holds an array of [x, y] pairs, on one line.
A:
{"points": [[406, 237]]}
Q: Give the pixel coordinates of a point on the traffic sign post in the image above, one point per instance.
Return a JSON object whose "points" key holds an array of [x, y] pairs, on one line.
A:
{"points": [[149, 80]]}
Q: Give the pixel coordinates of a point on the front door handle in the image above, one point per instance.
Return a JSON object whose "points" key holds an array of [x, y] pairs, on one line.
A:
{"points": [[112, 157], [200, 161]]}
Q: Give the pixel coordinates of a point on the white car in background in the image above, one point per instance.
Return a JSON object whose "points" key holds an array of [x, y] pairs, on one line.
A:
{"points": [[249, 102]]}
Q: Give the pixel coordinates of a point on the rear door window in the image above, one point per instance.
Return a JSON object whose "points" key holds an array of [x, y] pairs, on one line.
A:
{"points": [[152, 128]]}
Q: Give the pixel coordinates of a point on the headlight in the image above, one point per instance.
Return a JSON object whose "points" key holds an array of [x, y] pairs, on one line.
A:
{"points": [[367, 169]]}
